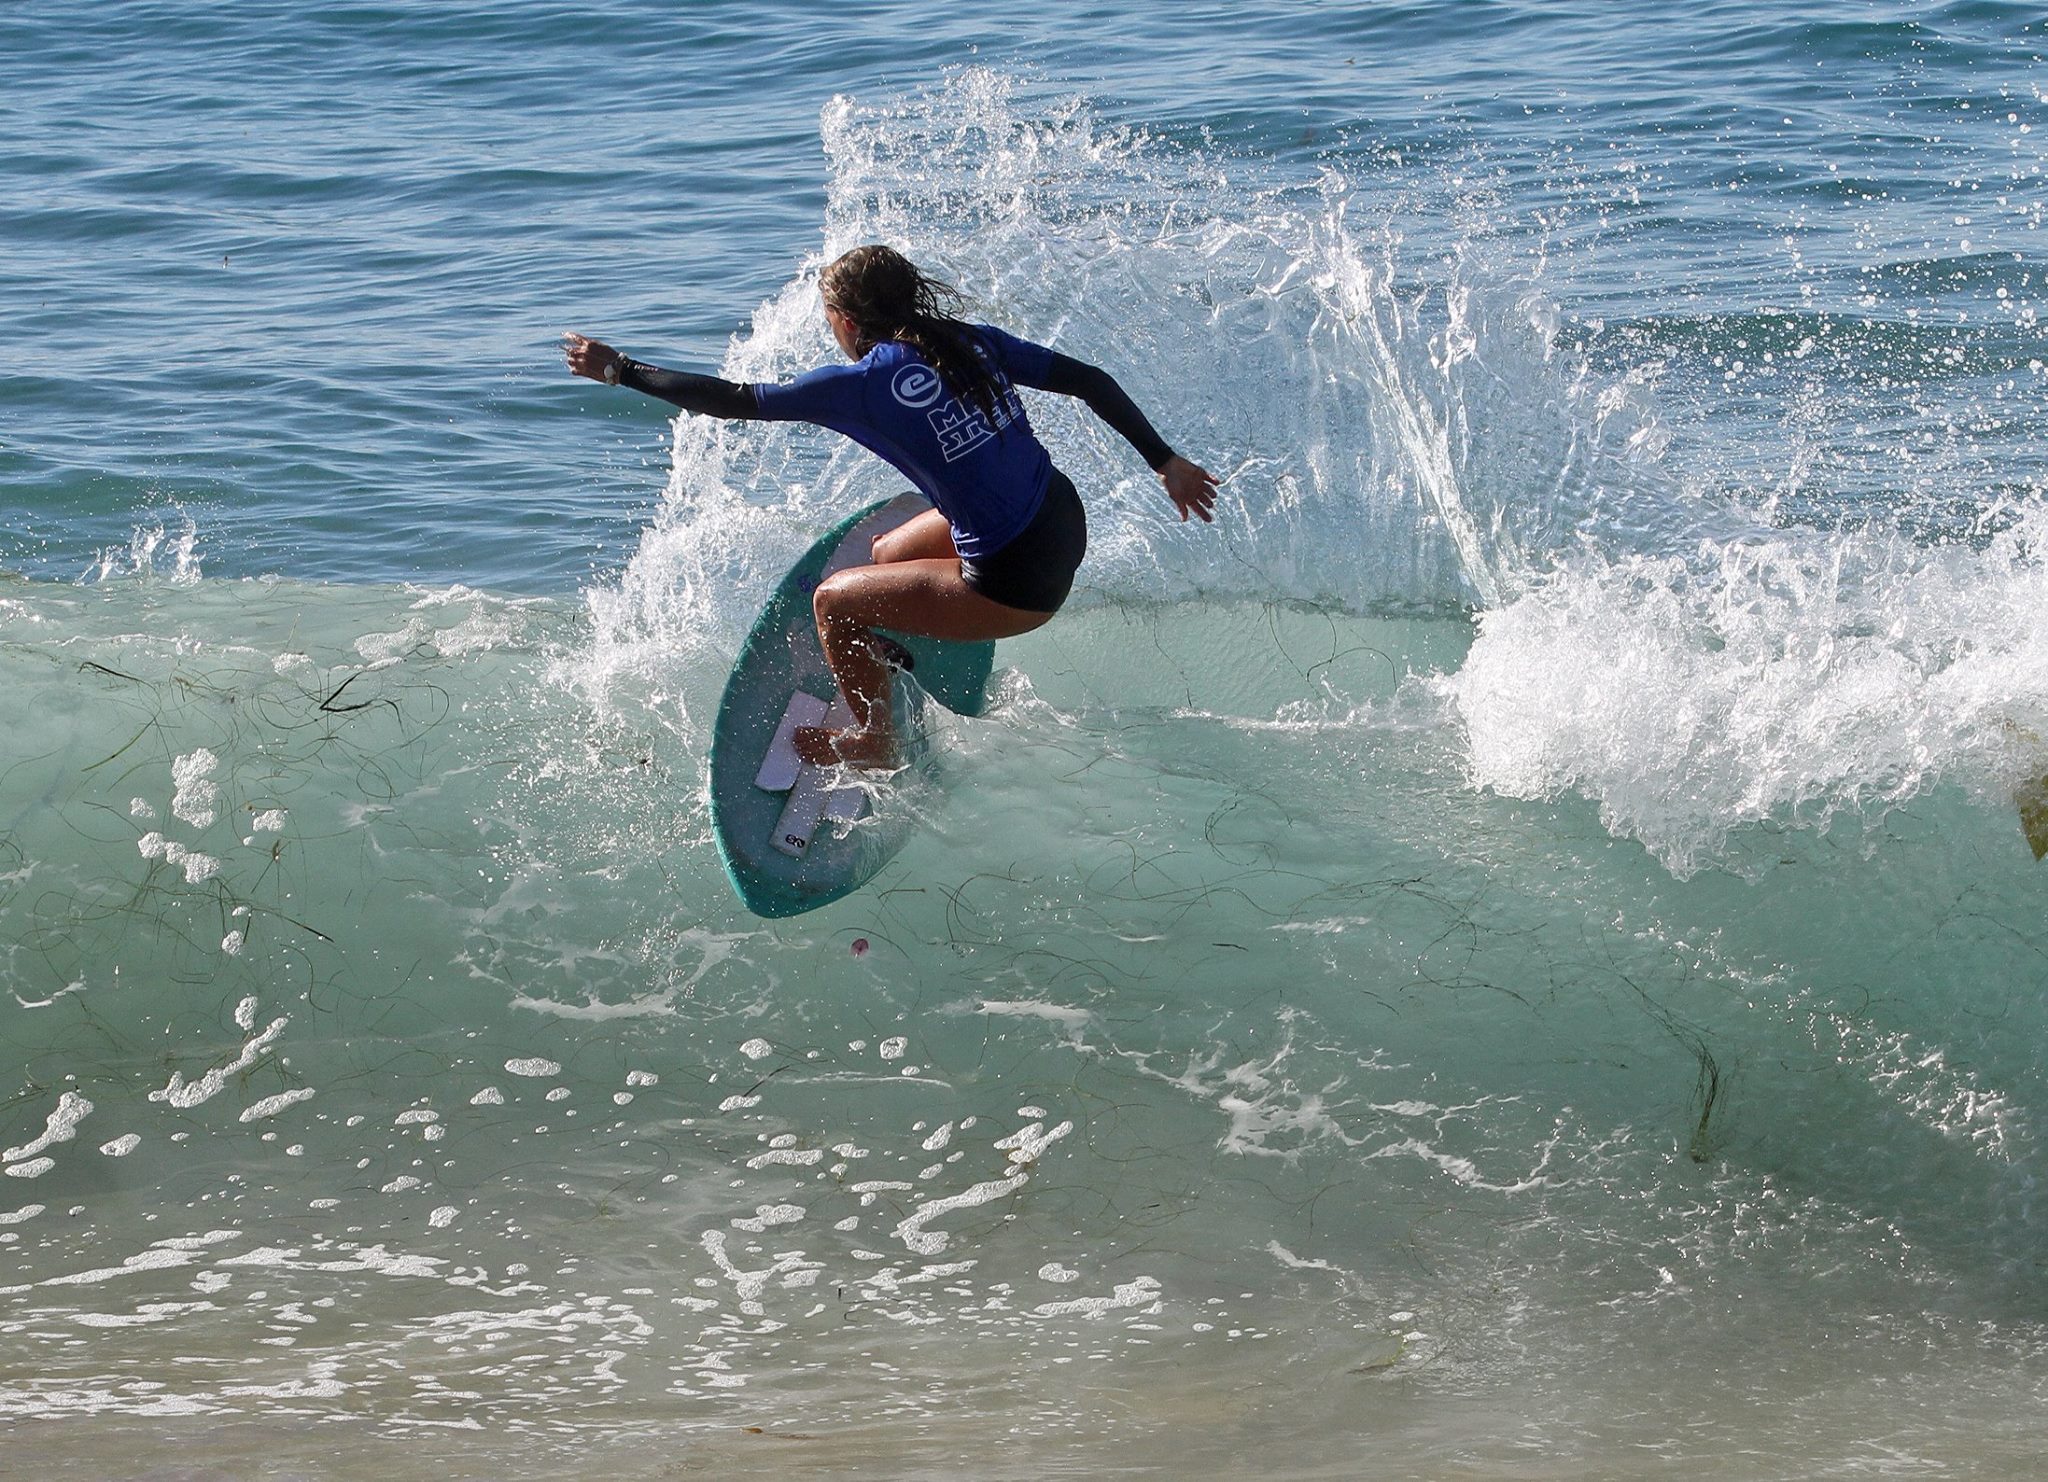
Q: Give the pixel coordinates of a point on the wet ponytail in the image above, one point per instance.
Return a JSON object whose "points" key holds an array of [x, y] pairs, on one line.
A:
{"points": [[888, 298]]}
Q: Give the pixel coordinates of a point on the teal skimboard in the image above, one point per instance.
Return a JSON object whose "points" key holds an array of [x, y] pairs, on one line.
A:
{"points": [[793, 836]]}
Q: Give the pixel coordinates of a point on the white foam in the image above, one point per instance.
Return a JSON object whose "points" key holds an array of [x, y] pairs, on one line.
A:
{"points": [[185, 1095], [323, 1388], [1140, 1292], [1031, 1008], [165, 1255], [767, 1216], [1028, 1144], [270, 1106], [1460, 1169], [792, 1157], [748, 1286], [912, 1232], [869, 1188], [60, 1126], [372, 1258], [197, 798], [1294, 1262], [144, 1314], [199, 867]]}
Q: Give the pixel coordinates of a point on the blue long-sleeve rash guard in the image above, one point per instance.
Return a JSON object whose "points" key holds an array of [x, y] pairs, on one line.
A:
{"points": [[987, 473]]}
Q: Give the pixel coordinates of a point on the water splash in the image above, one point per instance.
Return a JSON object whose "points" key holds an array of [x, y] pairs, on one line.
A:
{"points": [[1395, 435], [155, 551], [1789, 679]]}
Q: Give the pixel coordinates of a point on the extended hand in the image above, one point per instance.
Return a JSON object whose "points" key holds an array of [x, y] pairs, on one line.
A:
{"points": [[1191, 487], [588, 357]]}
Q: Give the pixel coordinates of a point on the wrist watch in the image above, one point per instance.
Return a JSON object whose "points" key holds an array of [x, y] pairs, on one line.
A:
{"points": [[613, 368]]}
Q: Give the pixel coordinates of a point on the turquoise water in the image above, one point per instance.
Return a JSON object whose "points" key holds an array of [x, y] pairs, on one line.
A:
{"points": [[1513, 955]]}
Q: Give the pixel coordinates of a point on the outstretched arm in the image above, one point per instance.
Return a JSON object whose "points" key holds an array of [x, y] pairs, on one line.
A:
{"points": [[705, 395], [1191, 487]]}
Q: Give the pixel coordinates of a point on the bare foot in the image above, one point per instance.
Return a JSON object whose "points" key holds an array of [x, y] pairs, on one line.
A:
{"points": [[823, 748]]}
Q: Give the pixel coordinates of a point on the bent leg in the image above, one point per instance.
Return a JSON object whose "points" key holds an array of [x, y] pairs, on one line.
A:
{"points": [[927, 597], [922, 537]]}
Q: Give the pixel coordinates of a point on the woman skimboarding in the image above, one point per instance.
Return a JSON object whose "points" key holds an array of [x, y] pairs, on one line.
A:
{"points": [[936, 398]]}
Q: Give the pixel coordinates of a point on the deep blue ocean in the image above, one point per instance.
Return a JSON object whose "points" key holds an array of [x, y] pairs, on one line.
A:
{"points": [[1515, 954]]}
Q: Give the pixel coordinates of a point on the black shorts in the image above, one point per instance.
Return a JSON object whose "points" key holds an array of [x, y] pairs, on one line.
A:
{"points": [[1034, 569]]}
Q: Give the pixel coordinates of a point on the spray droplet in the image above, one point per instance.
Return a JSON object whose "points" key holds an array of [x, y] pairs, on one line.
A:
{"points": [[860, 946]]}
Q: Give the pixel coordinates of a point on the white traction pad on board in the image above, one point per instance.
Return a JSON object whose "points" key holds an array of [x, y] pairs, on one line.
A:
{"points": [[812, 797], [779, 767]]}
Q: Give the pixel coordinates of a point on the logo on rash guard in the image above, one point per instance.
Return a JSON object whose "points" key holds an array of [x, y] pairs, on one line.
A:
{"points": [[916, 385], [961, 428]]}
